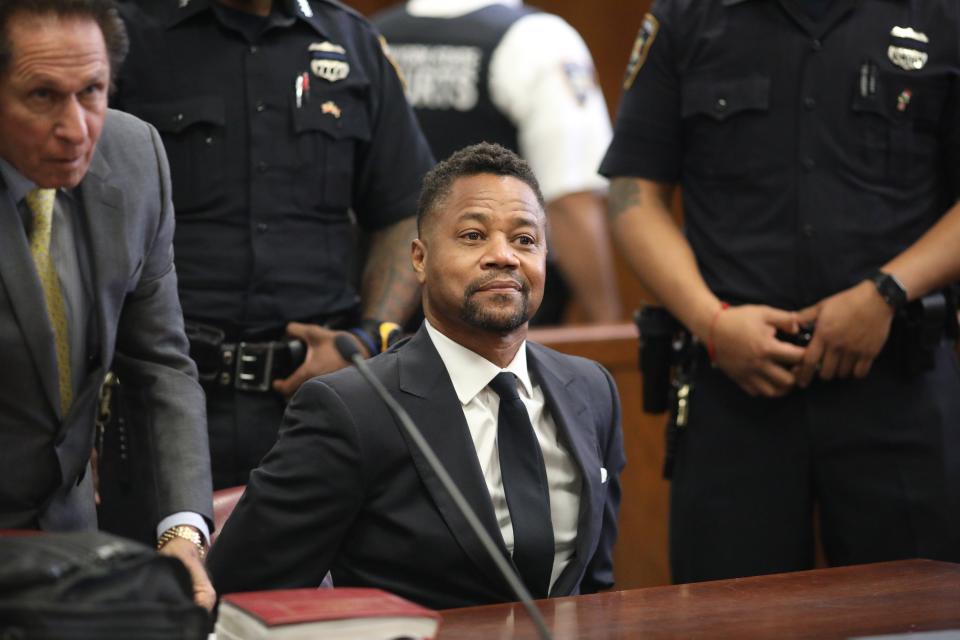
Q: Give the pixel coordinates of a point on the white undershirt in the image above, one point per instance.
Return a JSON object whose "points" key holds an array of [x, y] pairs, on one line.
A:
{"points": [[542, 79], [470, 374]]}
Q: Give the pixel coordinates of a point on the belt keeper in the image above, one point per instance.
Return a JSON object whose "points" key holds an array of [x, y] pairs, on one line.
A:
{"points": [[711, 347]]}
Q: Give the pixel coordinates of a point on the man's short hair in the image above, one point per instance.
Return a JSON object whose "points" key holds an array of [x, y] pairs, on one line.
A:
{"points": [[103, 12], [482, 158]]}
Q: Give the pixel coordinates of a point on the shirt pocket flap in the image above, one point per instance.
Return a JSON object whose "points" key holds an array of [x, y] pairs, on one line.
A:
{"points": [[721, 99], [904, 96], [339, 115], [174, 117]]}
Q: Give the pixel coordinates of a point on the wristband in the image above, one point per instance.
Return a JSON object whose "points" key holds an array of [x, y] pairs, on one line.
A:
{"points": [[377, 335], [711, 347]]}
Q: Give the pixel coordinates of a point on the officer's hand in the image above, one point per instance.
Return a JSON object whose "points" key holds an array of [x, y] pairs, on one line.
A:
{"points": [[322, 356], [185, 551], [851, 328], [748, 351]]}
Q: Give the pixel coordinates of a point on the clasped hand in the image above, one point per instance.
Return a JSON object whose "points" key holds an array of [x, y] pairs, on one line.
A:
{"points": [[322, 356], [851, 329]]}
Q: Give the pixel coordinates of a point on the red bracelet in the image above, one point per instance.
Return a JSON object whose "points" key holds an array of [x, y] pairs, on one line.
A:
{"points": [[712, 348]]}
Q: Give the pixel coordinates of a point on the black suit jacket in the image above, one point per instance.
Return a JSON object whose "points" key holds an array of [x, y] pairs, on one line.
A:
{"points": [[344, 489]]}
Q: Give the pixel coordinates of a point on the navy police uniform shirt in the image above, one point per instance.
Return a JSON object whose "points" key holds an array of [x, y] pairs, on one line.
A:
{"points": [[279, 132], [809, 152]]}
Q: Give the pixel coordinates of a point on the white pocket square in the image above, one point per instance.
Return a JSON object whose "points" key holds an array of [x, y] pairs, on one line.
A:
{"points": [[603, 475]]}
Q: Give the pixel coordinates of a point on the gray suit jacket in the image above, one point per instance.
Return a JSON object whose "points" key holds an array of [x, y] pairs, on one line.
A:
{"points": [[126, 244], [345, 490]]}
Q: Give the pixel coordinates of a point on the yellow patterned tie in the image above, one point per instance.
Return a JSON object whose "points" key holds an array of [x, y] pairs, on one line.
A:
{"points": [[40, 202]]}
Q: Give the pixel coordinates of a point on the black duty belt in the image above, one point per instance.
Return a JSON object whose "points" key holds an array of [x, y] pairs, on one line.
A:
{"points": [[243, 365]]}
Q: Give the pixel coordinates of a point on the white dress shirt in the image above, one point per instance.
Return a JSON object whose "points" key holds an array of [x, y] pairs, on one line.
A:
{"points": [[543, 80], [470, 374]]}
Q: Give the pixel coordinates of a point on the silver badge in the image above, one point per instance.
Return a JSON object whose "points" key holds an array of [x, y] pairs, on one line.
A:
{"points": [[908, 58], [329, 61], [326, 47]]}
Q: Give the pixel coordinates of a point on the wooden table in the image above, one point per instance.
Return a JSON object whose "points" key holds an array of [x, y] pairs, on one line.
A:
{"points": [[889, 597]]}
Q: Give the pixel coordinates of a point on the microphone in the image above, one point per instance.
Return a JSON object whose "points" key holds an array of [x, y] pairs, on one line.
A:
{"points": [[349, 351]]}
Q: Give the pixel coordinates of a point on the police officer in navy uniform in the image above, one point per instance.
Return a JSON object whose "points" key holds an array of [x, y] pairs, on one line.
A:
{"points": [[499, 71], [287, 131], [817, 146]]}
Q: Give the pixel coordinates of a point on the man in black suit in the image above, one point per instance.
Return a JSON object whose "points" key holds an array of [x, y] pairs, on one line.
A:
{"points": [[344, 489]]}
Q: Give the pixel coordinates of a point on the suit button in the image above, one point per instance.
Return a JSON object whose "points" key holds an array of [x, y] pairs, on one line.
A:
{"points": [[808, 163], [809, 103]]}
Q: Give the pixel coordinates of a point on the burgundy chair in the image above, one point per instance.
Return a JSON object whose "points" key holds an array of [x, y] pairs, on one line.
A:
{"points": [[224, 501]]}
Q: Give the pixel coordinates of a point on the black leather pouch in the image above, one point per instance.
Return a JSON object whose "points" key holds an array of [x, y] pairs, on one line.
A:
{"points": [[93, 585]]}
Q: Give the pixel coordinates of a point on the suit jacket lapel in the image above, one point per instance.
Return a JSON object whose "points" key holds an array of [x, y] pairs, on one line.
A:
{"points": [[106, 229], [569, 414], [26, 296], [429, 397]]}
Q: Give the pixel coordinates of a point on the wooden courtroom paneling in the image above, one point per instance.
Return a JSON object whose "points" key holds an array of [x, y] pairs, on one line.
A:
{"points": [[641, 552]]}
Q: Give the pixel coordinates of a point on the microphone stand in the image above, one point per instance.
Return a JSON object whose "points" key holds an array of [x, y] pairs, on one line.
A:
{"points": [[349, 352]]}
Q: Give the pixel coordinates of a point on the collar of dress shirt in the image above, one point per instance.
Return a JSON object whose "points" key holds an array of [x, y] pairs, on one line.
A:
{"points": [[471, 372], [452, 8]]}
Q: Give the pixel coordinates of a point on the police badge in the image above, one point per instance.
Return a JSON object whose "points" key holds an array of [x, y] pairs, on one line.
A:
{"points": [[908, 48], [329, 61], [641, 47]]}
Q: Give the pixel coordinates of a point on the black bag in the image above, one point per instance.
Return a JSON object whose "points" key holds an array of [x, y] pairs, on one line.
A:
{"points": [[93, 585]]}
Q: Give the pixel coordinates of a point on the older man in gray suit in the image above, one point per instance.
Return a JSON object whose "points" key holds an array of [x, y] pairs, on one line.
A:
{"points": [[87, 281]]}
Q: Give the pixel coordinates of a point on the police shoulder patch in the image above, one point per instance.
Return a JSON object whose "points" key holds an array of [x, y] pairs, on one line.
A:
{"points": [[641, 47], [385, 47]]}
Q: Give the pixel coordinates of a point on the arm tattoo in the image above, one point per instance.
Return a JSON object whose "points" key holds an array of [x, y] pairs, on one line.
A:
{"points": [[390, 290], [625, 193]]}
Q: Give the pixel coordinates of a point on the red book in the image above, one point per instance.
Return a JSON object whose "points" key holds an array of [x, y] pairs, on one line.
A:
{"points": [[331, 614]]}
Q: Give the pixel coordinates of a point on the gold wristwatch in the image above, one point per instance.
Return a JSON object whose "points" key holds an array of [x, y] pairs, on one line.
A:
{"points": [[186, 532]]}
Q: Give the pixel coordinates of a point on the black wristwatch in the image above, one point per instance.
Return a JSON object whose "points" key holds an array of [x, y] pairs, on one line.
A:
{"points": [[890, 289]]}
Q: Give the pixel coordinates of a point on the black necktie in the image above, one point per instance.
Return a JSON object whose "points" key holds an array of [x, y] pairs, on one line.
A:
{"points": [[525, 484]]}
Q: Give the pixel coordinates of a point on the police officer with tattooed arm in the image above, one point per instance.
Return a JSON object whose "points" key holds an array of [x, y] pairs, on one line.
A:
{"points": [[287, 130], [817, 147]]}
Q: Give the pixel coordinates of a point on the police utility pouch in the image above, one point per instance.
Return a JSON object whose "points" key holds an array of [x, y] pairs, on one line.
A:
{"points": [[94, 586], [659, 352]]}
